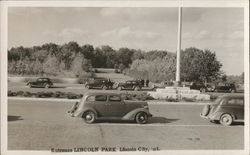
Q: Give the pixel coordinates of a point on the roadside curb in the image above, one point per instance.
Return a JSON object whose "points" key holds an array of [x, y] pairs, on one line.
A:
{"points": [[150, 102]]}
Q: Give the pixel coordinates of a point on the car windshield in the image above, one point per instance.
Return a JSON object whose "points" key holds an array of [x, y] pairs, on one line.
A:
{"points": [[218, 100]]}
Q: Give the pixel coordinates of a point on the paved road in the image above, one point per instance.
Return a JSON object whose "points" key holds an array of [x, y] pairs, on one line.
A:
{"points": [[40, 125]]}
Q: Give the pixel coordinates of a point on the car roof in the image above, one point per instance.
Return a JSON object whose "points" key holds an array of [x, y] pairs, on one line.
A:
{"points": [[100, 93], [42, 78]]}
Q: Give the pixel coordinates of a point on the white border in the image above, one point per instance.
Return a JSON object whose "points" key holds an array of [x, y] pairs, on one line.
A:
{"points": [[141, 3]]}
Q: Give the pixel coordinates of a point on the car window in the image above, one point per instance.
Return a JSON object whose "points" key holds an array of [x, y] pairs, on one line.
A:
{"points": [[235, 102], [39, 79], [100, 98], [114, 98], [91, 99]]}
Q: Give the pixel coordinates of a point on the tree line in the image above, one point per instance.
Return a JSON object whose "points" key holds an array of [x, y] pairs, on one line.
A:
{"points": [[71, 59]]}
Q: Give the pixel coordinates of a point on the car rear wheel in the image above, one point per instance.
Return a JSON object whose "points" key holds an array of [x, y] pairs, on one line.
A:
{"points": [[202, 90], [141, 118], [232, 90], [119, 88], [226, 119], [136, 88], [89, 117], [87, 86], [46, 86], [104, 87]]}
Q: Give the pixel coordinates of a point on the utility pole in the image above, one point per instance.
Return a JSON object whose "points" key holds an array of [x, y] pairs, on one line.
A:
{"points": [[178, 61]]}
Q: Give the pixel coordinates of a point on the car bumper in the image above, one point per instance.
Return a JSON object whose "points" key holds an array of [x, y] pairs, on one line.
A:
{"points": [[202, 116]]}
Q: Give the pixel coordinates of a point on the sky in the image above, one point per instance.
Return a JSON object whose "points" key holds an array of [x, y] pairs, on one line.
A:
{"points": [[220, 30]]}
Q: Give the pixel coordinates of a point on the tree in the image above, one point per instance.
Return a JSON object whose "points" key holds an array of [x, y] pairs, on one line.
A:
{"points": [[160, 69], [51, 65], [199, 65], [88, 51], [69, 51], [124, 56]]}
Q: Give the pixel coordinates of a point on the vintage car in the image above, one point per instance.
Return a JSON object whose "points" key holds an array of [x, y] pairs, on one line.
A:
{"points": [[225, 87], [226, 109], [98, 105], [102, 83], [131, 84], [40, 82], [198, 86]]}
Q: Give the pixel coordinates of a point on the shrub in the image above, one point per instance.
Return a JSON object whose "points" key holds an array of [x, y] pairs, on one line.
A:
{"points": [[20, 93], [188, 99], [27, 94], [83, 77], [10, 93], [172, 99]]}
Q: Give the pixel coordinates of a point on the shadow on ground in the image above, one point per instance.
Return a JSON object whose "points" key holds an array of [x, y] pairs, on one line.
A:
{"points": [[14, 118], [58, 87], [152, 120], [238, 124], [161, 120]]}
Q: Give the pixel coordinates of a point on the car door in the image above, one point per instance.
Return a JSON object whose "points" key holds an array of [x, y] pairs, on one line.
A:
{"points": [[39, 82], [116, 106], [101, 105], [236, 106], [240, 106]]}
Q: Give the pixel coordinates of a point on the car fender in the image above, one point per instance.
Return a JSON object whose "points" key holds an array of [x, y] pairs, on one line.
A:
{"points": [[218, 115], [131, 115], [80, 113]]}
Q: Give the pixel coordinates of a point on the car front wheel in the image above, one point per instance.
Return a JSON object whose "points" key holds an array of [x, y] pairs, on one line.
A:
{"points": [[226, 119], [29, 85], [141, 118], [89, 117]]}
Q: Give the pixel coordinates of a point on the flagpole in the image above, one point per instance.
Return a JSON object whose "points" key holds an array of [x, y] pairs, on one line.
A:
{"points": [[178, 45]]}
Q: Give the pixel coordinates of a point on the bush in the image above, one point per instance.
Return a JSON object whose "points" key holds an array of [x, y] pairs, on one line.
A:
{"points": [[188, 99], [27, 94], [10, 93], [20, 93], [172, 99], [83, 77]]}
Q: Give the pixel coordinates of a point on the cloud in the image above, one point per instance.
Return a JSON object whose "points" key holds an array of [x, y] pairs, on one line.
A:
{"points": [[138, 14], [70, 33], [203, 34], [236, 35], [126, 33]]}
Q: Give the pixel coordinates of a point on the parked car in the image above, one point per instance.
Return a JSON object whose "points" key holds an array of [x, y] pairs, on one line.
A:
{"points": [[102, 83], [40, 82], [132, 84], [226, 109], [198, 86], [97, 105], [225, 87]]}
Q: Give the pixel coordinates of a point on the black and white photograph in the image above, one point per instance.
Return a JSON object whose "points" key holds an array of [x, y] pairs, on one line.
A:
{"points": [[137, 77]]}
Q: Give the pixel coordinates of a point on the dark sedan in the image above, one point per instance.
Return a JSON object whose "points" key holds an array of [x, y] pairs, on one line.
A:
{"points": [[131, 85], [96, 105], [226, 109], [40, 82]]}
